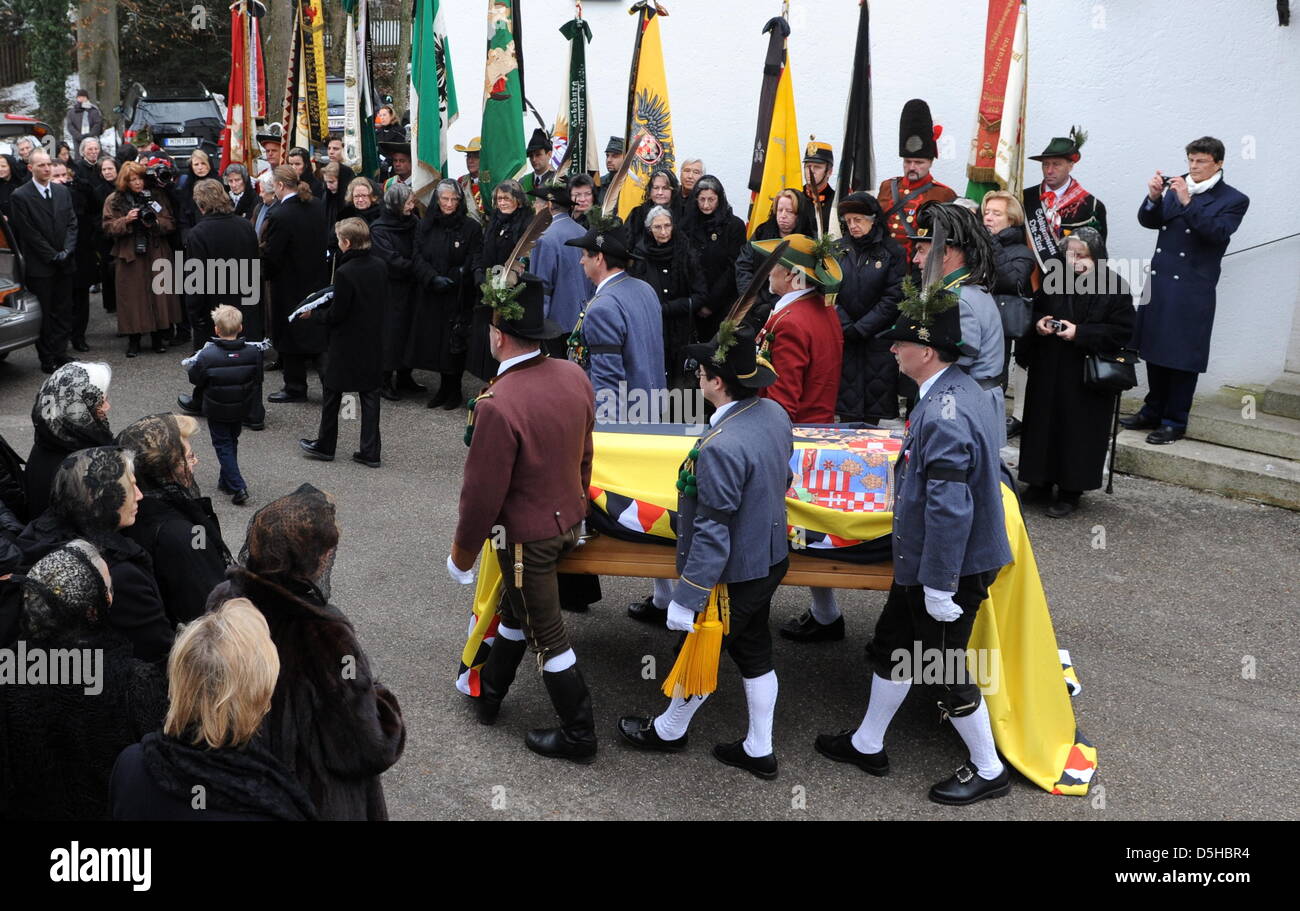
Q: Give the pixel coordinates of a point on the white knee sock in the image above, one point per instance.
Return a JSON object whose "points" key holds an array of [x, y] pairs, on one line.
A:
{"points": [[663, 593], [561, 662], [824, 609], [672, 724], [760, 696], [886, 697], [509, 632], [977, 733]]}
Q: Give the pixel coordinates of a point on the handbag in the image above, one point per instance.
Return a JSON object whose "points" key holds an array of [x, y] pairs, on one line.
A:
{"points": [[1016, 313], [1110, 373]]}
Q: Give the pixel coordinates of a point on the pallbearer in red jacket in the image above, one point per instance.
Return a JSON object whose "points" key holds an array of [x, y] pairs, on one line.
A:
{"points": [[802, 339], [525, 486], [900, 197]]}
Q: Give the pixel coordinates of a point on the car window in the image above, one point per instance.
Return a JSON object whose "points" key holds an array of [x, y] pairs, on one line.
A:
{"points": [[175, 112], [334, 94]]}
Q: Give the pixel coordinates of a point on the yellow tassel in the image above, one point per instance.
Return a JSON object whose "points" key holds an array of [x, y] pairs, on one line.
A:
{"points": [[695, 672]]}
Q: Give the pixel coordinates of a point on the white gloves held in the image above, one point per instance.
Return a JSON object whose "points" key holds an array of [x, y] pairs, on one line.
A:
{"points": [[940, 606], [463, 576], [680, 618]]}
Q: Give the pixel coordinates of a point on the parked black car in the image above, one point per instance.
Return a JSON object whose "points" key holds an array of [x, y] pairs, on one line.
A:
{"points": [[179, 119]]}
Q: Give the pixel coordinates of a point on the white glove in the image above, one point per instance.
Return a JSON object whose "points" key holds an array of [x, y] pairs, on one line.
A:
{"points": [[463, 576], [940, 606], [680, 618]]}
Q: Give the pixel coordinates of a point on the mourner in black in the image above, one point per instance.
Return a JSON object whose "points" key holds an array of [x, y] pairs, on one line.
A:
{"points": [[717, 236], [45, 216], [392, 241]]}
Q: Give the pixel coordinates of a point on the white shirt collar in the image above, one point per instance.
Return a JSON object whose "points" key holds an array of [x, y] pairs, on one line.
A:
{"points": [[517, 359], [717, 415], [287, 197], [925, 387], [788, 299], [606, 279], [1065, 186], [43, 187]]}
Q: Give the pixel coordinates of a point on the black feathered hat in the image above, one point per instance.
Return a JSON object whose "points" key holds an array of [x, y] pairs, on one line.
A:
{"points": [[539, 142]]}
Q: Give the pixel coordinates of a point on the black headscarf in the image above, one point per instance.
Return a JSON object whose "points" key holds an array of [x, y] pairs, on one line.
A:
{"points": [[289, 539], [13, 182], [66, 415], [161, 468], [89, 491], [718, 218], [872, 238], [64, 595]]}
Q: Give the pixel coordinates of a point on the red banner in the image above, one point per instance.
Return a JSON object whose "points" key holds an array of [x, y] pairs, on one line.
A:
{"points": [[238, 135], [999, 35]]}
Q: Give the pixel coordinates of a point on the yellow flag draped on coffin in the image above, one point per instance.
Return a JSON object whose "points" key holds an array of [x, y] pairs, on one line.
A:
{"points": [[1029, 705]]}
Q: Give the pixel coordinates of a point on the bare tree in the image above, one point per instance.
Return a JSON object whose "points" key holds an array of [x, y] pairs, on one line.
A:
{"points": [[401, 74], [98, 65], [336, 23], [278, 25]]}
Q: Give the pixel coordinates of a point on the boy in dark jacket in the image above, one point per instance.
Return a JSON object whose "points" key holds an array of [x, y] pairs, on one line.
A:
{"points": [[354, 358], [227, 378]]}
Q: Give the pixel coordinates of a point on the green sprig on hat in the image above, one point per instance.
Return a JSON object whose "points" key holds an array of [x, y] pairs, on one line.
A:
{"points": [[501, 293], [924, 305], [726, 339]]}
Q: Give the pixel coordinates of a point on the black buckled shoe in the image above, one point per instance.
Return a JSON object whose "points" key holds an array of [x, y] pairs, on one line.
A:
{"points": [[646, 612], [1139, 422], [966, 787], [1165, 434], [315, 452], [496, 675], [240, 497], [733, 754], [805, 629], [840, 748], [575, 739], [639, 730]]}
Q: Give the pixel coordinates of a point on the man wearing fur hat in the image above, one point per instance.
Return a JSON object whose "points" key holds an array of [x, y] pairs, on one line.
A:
{"points": [[949, 544], [731, 521], [900, 197], [1059, 205]]}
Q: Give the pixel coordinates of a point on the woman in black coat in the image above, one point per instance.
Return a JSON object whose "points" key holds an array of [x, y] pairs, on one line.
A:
{"points": [[94, 496], [1004, 218], [175, 525], [511, 215], [717, 237], [666, 262], [295, 239], [392, 242], [661, 189], [874, 267], [243, 194], [361, 200], [1067, 425], [792, 213], [58, 742], [331, 722], [11, 178], [86, 272], [221, 676], [70, 413], [105, 186], [447, 245]]}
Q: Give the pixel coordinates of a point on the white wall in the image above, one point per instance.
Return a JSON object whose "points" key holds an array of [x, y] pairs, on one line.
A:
{"points": [[1143, 78]]}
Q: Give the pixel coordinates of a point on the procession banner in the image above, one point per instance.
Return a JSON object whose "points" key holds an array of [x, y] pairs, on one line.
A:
{"points": [[313, 59], [289, 115], [433, 98], [997, 152], [502, 153], [237, 137], [783, 163], [573, 137], [648, 108], [256, 65], [777, 30], [857, 160]]}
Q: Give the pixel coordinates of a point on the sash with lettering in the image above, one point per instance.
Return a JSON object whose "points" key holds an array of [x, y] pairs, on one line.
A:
{"points": [[1044, 223]]}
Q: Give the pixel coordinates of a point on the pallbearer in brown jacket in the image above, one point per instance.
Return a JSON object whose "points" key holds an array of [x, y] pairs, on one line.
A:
{"points": [[525, 488]]}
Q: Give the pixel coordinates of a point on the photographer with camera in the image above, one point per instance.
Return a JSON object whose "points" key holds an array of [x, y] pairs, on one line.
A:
{"points": [[139, 217]]}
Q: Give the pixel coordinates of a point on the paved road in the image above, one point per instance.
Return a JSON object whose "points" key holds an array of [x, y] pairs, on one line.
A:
{"points": [[1159, 624]]}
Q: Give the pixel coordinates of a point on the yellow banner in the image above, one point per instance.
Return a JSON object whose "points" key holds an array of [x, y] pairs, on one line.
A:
{"points": [[783, 166], [312, 88], [649, 111]]}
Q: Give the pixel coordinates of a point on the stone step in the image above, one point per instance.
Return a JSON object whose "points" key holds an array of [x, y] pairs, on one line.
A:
{"points": [[1224, 425], [1207, 466], [1283, 397]]}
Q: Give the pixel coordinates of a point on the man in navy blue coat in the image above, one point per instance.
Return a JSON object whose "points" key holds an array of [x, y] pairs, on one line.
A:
{"points": [[949, 543], [1196, 214], [560, 266]]}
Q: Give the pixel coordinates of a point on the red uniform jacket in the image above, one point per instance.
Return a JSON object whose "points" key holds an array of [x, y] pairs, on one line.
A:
{"points": [[529, 460], [902, 220], [805, 346]]}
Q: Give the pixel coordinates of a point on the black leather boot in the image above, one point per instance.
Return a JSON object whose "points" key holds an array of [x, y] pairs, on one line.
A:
{"points": [[159, 346], [496, 675], [575, 739], [133, 345]]}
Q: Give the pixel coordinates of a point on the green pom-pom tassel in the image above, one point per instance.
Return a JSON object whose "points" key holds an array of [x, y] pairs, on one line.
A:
{"points": [[694, 453], [690, 479], [469, 433], [690, 490], [681, 485]]}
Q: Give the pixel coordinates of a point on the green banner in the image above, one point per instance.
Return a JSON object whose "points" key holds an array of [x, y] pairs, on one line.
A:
{"points": [[503, 100]]}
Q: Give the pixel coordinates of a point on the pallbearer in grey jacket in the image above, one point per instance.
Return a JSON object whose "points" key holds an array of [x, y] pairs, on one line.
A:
{"points": [[965, 266], [731, 528], [949, 543]]}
